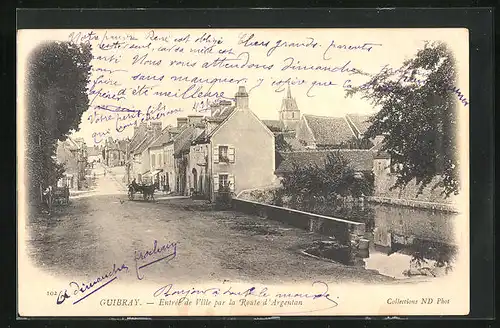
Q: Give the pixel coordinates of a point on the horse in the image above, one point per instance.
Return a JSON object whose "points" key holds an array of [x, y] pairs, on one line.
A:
{"points": [[148, 192]]}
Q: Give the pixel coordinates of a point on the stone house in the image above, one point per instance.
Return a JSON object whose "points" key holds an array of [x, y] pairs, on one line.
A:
{"points": [[138, 164], [159, 157], [94, 154], [236, 149], [154, 130], [114, 152], [177, 150], [169, 149]]}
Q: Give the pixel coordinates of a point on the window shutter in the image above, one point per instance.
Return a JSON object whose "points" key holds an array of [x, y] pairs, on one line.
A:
{"points": [[231, 182], [230, 154], [216, 154], [216, 182]]}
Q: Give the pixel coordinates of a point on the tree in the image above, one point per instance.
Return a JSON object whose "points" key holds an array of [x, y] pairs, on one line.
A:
{"points": [[335, 178], [418, 117], [281, 144], [57, 77]]}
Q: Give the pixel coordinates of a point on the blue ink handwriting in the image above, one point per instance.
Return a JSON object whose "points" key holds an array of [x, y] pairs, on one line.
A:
{"points": [[291, 64], [110, 95], [83, 288], [367, 46], [98, 137], [241, 61], [170, 249], [211, 80], [322, 293], [107, 70]]}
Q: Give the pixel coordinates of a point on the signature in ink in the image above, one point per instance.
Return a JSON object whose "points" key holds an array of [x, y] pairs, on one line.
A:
{"points": [[80, 290], [322, 293], [146, 258]]}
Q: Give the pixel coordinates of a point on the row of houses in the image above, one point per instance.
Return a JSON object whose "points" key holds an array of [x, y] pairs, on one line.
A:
{"points": [[201, 154], [232, 147], [72, 152]]}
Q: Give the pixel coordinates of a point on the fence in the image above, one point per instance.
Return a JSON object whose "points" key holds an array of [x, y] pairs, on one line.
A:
{"points": [[344, 231]]}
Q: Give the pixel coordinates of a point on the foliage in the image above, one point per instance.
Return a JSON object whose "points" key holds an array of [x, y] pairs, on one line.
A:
{"points": [[57, 78], [281, 144], [59, 75], [355, 143], [336, 178], [418, 117]]}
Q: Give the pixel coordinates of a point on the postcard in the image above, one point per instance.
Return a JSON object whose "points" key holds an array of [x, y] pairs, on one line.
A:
{"points": [[243, 172]]}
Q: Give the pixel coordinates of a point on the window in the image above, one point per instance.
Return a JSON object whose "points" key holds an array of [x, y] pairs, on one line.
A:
{"points": [[223, 158], [153, 158], [223, 180]]}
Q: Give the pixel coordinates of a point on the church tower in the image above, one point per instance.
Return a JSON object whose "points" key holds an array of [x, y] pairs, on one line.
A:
{"points": [[289, 112]]}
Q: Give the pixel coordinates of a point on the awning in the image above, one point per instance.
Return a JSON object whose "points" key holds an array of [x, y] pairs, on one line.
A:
{"points": [[155, 172]]}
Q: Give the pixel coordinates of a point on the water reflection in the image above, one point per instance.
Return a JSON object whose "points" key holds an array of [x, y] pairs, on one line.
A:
{"points": [[398, 241]]}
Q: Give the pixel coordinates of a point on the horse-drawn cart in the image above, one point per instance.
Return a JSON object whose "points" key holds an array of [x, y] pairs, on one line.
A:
{"points": [[146, 190]]}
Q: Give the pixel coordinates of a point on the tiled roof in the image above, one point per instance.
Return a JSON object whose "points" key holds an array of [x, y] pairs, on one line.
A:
{"points": [[183, 140], [329, 130], [144, 144], [163, 138], [222, 113], [224, 117], [360, 122], [200, 138], [294, 143], [137, 140], [274, 125], [382, 155], [359, 160]]}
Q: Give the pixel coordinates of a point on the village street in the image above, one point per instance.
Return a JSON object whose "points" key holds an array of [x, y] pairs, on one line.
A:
{"points": [[101, 228]]}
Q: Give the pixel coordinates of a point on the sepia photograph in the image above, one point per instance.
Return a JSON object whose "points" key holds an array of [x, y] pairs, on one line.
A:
{"points": [[243, 172]]}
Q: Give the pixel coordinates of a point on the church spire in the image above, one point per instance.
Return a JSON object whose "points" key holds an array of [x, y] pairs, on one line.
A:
{"points": [[289, 112], [289, 92]]}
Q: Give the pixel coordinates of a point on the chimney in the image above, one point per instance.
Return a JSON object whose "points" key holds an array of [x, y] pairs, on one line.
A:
{"points": [[241, 98], [156, 126], [142, 129], [181, 121], [149, 130], [194, 119]]}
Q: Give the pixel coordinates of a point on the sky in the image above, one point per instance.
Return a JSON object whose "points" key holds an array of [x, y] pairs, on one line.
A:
{"points": [[129, 60]]}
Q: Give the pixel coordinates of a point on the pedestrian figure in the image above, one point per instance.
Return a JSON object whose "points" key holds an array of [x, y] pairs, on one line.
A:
{"points": [[48, 198]]}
